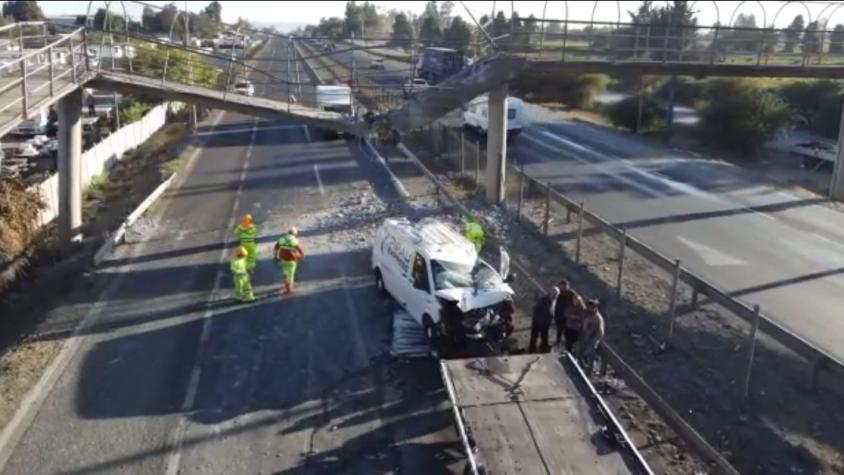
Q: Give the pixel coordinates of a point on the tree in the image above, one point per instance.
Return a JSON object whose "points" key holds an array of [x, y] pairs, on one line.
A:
{"points": [[625, 113], [214, 11], [458, 35], [430, 30], [353, 20], [167, 16], [792, 34], [105, 19], [181, 66], [330, 28], [402, 30], [500, 26], [811, 39], [446, 12], [744, 40], [371, 19], [149, 19], [836, 40], [652, 25], [817, 103], [21, 10], [741, 115]]}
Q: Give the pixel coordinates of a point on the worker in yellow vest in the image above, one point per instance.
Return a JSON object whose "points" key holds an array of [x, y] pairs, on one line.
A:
{"points": [[474, 233], [247, 233], [240, 275]]}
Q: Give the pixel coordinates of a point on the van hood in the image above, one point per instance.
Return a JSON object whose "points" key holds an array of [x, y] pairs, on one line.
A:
{"points": [[468, 299]]}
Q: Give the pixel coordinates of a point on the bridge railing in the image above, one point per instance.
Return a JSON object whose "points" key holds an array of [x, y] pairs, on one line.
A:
{"points": [[38, 62], [576, 40]]}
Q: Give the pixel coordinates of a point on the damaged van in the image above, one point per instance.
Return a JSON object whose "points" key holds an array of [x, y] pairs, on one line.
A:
{"points": [[435, 273]]}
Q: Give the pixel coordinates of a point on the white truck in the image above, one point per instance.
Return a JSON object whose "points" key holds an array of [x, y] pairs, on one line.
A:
{"points": [[335, 98], [435, 273], [476, 115]]}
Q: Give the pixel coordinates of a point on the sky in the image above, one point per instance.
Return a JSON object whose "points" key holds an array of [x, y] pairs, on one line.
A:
{"points": [[290, 14]]}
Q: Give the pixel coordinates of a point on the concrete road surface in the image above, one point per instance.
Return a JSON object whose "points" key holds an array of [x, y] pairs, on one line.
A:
{"points": [[776, 249], [170, 376]]}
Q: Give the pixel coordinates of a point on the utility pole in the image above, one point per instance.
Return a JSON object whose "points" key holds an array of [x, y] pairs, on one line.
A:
{"points": [[192, 119], [353, 60]]}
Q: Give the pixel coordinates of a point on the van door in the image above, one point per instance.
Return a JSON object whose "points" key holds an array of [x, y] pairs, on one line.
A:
{"points": [[393, 263], [420, 294]]}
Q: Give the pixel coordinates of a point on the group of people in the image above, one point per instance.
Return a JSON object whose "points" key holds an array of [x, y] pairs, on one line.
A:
{"points": [[578, 323], [287, 251]]}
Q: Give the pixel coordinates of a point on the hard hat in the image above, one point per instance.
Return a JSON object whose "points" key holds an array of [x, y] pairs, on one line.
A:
{"points": [[240, 251], [247, 220], [294, 231]]}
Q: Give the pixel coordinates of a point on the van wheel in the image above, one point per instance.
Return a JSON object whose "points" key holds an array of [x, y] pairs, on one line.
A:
{"points": [[434, 332], [379, 282]]}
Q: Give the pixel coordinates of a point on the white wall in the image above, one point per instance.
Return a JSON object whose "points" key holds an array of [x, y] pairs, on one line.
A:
{"points": [[102, 157]]}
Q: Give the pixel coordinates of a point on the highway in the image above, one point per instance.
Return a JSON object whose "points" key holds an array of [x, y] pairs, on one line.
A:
{"points": [[168, 375], [769, 247]]}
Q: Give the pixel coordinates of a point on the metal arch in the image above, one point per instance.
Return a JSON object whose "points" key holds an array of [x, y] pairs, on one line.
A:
{"points": [[108, 11], [808, 12], [738, 7], [831, 14], [717, 10], [595, 8]]}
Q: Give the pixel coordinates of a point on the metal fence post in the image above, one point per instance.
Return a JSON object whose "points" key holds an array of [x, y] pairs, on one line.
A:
{"points": [[672, 309], [50, 62], [24, 99], [73, 57], [621, 248], [695, 294], [568, 214], [521, 192], [547, 218], [579, 233], [752, 350]]}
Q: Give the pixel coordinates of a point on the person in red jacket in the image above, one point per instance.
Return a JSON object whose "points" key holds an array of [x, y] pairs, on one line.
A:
{"points": [[289, 252]]}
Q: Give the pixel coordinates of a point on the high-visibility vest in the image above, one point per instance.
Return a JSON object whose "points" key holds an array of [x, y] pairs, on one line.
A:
{"points": [[239, 266], [289, 249], [246, 235]]}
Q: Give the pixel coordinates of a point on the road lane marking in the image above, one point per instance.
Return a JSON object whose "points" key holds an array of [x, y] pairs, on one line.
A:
{"points": [[318, 179], [31, 404], [245, 129], [175, 456]]}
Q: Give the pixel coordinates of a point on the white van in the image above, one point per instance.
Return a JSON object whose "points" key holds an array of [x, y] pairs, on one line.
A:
{"points": [[475, 115], [35, 125], [436, 275]]}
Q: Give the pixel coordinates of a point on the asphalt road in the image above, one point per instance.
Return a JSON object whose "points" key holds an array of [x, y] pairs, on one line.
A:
{"points": [[781, 251], [170, 376]]}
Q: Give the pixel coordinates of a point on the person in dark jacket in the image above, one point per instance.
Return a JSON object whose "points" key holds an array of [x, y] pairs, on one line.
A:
{"points": [[543, 311], [567, 301]]}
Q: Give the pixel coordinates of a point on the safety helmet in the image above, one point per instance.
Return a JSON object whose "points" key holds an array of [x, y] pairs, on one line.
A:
{"points": [[247, 220], [240, 251], [293, 231]]}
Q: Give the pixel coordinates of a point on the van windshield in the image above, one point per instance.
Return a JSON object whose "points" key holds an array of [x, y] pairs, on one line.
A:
{"points": [[450, 275]]}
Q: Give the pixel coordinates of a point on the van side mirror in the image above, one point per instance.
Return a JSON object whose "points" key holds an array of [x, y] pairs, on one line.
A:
{"points": [[510, 278]]}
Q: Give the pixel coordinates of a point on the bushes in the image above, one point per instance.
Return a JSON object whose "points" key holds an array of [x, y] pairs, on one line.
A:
{"points": [[571, 89], [686, 91], [181, 66], [741, 115], [818, 104], [19, 209], [625, 112]]}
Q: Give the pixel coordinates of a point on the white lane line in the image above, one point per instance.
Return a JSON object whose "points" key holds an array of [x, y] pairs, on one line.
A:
{"points": [[245, 129], [307, 133], [318, 179], [31, 404], [175, 457]]}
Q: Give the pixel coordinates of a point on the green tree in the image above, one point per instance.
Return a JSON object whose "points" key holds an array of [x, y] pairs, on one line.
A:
{"points": [[811, 39], [625, 113], [446, 14], [836, 40], [21, 10], [149, 19], [500, 26], [330, 28], [792, 34], [402, 31], [652, 25], [214, 11], [816, 103], [458, 35], [181, 66], [430, 29], [353, 20], [742, 116], [371, 19], [105, 19]]}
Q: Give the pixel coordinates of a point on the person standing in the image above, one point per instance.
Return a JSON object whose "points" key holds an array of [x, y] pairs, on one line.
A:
{"points": [[92, 105], [568, 301], [573, 325], [591, 336], [240, 275], [289, 252], [247, 233], [543, 311], [474, 232]]}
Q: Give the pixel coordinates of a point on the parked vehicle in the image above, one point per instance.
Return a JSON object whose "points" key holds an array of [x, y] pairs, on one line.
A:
{"points": [[35, 125], [475, 115], [335, 98], [437, 276], [245, 87], [377, 63], [436, 64], [413, 86]]}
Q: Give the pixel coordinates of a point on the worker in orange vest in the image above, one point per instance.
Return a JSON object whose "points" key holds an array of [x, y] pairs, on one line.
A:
{"points": [[289, 252]]}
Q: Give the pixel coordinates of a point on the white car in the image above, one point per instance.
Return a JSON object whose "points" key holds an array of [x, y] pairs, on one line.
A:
{"points": [[414, 85], [435, 273], [475, 115], [244, 87]]}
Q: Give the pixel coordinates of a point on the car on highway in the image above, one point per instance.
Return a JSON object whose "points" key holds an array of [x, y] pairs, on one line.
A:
{"points": [[245, 87], [413, 86], [475, 115], [377, 63], [436, 274]]}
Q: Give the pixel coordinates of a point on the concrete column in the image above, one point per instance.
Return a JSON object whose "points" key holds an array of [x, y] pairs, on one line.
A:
{"points": [[70, 166], [496, 144], [836, 186]]}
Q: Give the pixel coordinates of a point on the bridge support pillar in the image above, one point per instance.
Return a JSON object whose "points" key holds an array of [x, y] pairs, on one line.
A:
{"points": [[496, 145], [836, 186], [70, 166]]}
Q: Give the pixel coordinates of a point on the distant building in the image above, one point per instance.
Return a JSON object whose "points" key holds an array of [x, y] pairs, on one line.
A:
{"points": [[71, 20]]}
